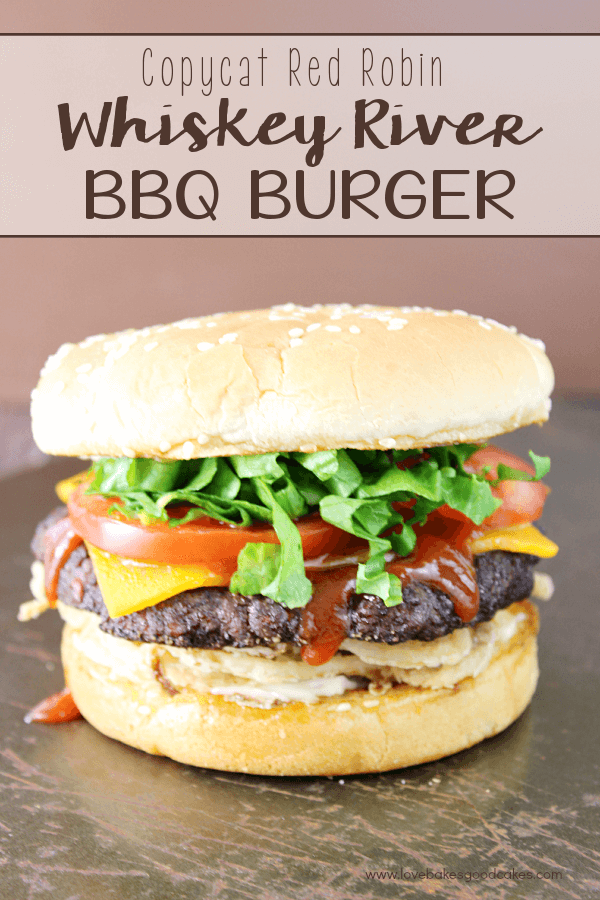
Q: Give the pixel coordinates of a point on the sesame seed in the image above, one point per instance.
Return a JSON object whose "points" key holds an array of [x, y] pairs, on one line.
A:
{"points": [[354, 329], [151, 345], [295, 342], [343, 707], [332, 328], [396, 324], [228, 338], [203, 439], [187, 450], [485, 325], [92, 340], [535, 341], [84, 368], [127, 451], [211, 324], [296, 332], [164, 446], [204, 345], [388, 443], [314, 326], [188, 323]]}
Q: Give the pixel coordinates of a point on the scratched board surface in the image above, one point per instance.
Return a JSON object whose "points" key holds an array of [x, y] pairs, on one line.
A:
{"points": [[84, 817]]}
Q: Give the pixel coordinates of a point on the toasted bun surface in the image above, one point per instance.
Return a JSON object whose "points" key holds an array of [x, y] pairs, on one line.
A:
{"points": [[291, 378], [337, 736]]}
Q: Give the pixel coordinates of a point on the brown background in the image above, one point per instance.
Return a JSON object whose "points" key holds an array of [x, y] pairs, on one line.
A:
{"points": [[61, 289]]}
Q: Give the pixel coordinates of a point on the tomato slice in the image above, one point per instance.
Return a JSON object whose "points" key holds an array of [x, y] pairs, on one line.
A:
{"points": [[493, 456], [522, 501], [204, 541]]}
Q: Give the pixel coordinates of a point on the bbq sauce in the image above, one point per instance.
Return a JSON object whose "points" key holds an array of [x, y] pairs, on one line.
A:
{"points": [[59, 542], [324, 618], [441, 558], [59, 707]]}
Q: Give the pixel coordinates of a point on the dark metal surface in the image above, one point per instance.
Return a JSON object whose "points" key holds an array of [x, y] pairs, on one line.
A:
{"points": [[84, 817]]}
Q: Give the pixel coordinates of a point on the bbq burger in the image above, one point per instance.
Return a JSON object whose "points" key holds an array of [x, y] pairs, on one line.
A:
{"points": [[293, 551]]}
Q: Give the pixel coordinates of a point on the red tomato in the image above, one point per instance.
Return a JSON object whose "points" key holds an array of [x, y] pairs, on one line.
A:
{"points": [[492, 456], [522, 501], [204, 541]]}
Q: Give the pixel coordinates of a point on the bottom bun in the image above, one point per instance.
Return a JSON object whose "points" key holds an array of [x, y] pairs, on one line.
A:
{"points": [[343, 735]]}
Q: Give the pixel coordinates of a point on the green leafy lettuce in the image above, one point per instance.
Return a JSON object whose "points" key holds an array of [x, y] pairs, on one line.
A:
{"points": [[352, 489]]}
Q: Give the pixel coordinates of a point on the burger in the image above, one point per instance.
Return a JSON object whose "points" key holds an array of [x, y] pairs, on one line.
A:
{"points": [[293, 550]]}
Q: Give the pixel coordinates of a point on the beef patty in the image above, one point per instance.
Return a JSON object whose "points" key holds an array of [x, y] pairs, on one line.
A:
{"points": [[213, 617]]}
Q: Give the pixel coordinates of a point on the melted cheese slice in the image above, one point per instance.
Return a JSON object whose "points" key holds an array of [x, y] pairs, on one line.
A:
{"points": [[65, 488], [516, 539], [128, 585]]}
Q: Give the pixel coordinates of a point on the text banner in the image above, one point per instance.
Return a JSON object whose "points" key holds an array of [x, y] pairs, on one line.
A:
{"points": [[300, 135]]}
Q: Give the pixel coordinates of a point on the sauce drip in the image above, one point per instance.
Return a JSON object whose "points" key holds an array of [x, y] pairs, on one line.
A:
{"points": [[441, 558], [324, 618], [59, 707], [59, 542]]}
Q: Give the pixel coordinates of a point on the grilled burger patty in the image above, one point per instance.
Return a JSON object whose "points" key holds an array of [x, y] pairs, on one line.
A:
{"points": [[213, 617]]}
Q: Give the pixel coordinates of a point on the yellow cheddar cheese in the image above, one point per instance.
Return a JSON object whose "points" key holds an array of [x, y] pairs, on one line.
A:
{"points": [[128, 585], [65, 488], [516, 539]]}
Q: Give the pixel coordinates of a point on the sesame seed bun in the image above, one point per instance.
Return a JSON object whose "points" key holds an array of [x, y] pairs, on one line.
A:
{"points": [[291, 378], [339, 735]]}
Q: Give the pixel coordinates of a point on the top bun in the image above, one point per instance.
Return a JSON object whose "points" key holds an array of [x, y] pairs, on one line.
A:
{"points": [[291, 378]]}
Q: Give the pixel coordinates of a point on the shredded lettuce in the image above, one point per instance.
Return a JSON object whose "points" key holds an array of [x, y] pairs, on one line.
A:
{"points": [[352, 489], [541, 465]]}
